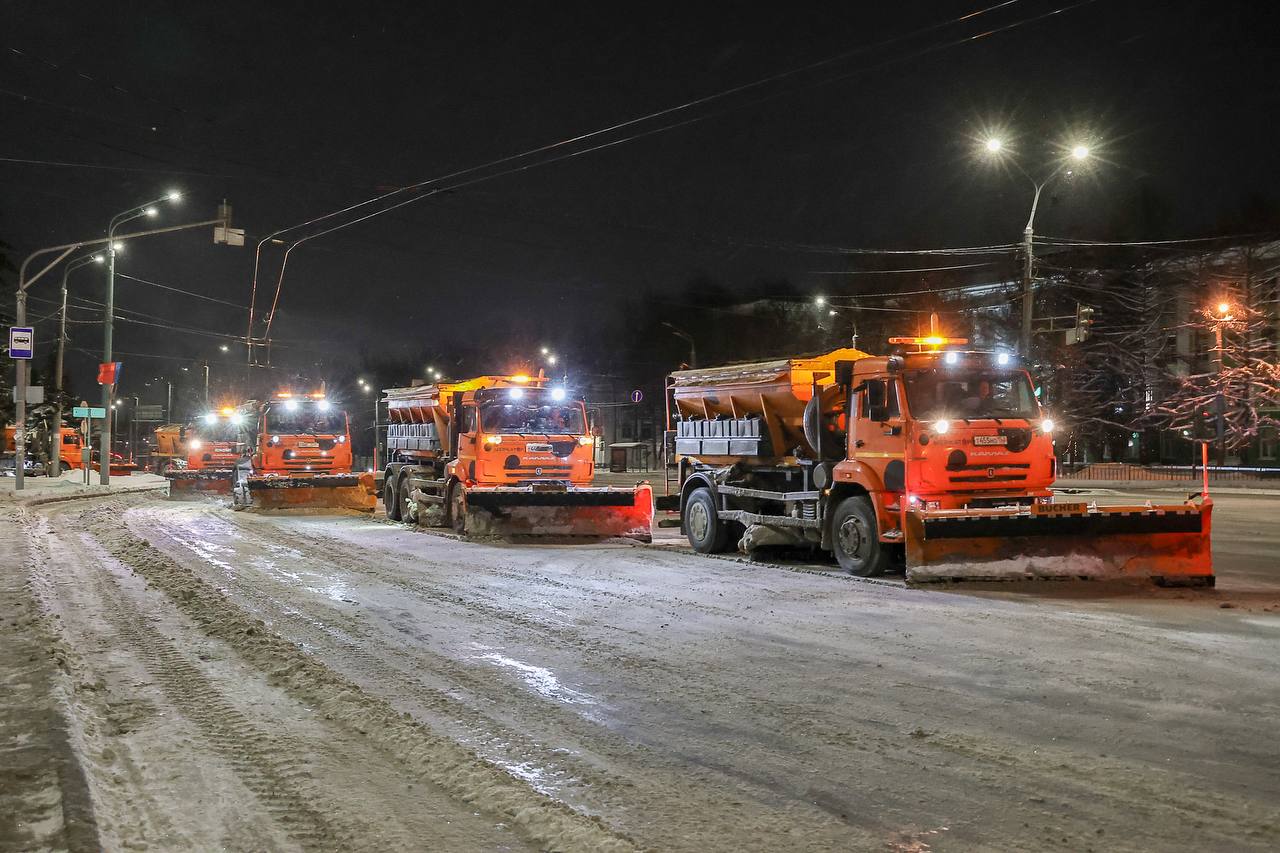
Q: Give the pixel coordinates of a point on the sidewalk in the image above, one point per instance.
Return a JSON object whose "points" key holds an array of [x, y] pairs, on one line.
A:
{"points": [[72, 483]]}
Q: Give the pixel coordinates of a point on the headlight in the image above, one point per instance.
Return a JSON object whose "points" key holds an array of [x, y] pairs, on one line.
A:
{"points": [[1046, 425], [516, 393], [493, 439], [237, 419], [275, 439], [558, 394], [195, 444], [291, 405], [210, 418], [342, 439], [584, 440], [941, 427], [322, 405]]}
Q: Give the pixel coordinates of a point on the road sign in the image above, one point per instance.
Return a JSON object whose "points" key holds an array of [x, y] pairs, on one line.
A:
{"points": [[22, 341], [35, 394], [88, 412], [637, 396], [148, 413]]}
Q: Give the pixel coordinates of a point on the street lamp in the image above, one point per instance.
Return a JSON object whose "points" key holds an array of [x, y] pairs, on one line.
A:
{"points": [[693, 349], [55, 440], [994, 147], [1220, 319], [144, 209]]}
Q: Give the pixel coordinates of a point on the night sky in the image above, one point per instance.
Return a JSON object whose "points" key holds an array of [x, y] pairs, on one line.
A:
{"points": [[291, 110]]}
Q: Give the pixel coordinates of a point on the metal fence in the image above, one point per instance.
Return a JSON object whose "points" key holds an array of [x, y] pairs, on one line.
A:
{"points": [[1126, 472]]}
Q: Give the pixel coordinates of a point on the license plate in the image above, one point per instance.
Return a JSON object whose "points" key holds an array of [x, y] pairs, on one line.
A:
{"points": [[307, 444], [538, 448], [990, 439]]}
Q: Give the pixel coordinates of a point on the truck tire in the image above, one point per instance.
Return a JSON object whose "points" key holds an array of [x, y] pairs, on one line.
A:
{"points": [[457, 509], [707, 533], [408, 507], [856, 539], [390, 497]]}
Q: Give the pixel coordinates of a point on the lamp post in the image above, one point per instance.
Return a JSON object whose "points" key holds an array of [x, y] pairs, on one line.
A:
{"points": [[1221, 317], [682, 334], [1078, 153], [835, 311], [55, 439], [223, 233], [145, 209]]}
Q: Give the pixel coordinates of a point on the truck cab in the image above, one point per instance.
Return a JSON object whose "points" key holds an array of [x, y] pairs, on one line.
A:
{"points": [[299, 434], [950, 430], [520, 435], [213, 441]]}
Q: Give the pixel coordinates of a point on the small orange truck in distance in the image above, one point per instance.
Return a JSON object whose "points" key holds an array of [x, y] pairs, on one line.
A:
{"points": [[202, 456], [299, 456], [502, 455], [939, 459]]}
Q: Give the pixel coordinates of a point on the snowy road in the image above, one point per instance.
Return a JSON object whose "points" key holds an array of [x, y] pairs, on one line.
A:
{"points": [[671, 701]]}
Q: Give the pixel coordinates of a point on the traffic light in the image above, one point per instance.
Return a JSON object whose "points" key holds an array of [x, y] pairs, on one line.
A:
{"points": [[1084, 321]]}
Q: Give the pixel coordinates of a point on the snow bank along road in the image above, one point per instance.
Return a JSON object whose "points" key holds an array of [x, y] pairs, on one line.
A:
{"points": [[253, 682]]}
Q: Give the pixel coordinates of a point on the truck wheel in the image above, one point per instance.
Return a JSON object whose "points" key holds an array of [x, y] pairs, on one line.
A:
{"points": [[457, 509], [707, 533], [856, 540], [390, 499], [408, 506]]}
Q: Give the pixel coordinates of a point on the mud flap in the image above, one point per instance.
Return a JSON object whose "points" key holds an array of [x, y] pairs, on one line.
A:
{"points": [[186, 484], [315, 491], [1166, 544], [575, 512]]}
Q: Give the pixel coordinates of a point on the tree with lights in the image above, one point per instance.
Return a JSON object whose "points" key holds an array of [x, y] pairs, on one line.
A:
{"points": [[1238, 396]]}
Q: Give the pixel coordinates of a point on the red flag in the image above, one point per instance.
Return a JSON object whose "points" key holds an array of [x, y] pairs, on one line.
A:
{"points": [[109, 373]]}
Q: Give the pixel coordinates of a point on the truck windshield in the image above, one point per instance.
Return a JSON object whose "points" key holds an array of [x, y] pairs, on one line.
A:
{"points": [[517, 416], [220, 430], [970, 394], [305, 418]]}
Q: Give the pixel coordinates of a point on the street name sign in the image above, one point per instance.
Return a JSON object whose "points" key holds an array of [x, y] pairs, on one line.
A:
{"points": [[88, 412]]}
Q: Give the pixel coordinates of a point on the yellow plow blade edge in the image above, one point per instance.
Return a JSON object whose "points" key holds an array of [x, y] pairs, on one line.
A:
{"points": [[320, 491], [595, 512], [1166, 544]]}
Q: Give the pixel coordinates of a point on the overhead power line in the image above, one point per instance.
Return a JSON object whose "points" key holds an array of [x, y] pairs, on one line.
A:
{"points": [[441, 180]]}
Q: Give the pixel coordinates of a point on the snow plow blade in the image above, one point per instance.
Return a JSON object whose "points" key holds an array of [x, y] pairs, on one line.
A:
{"points": [[1165, 544], [191, 484], [596, 512], [316, 491]]}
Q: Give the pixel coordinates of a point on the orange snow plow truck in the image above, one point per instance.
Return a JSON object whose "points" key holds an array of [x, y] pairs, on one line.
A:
{"points": [[202, 456], [502, 456], [298, 449], [938, 459]]}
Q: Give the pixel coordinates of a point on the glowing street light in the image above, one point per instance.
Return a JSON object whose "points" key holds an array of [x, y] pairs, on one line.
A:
{"points": [[819, 301], [1224, 308], [224, 347], [1078, 152], [174, 195], [551, 359]]}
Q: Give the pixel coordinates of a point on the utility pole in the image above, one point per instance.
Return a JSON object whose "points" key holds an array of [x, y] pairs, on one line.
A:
{"points": [[223, 233], [206, 384], [55, 440], [995, 148]]}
